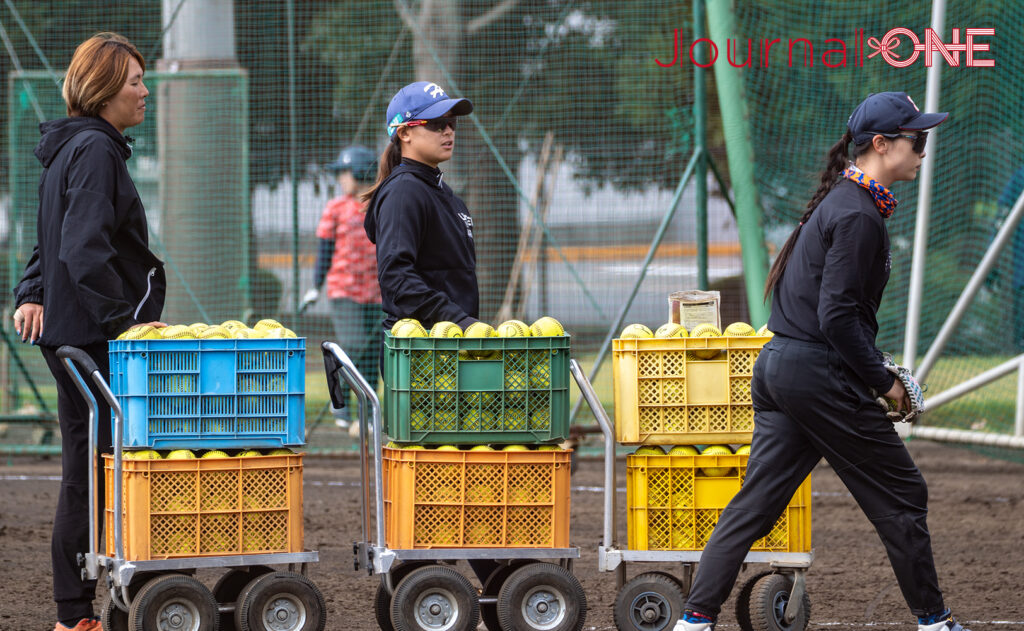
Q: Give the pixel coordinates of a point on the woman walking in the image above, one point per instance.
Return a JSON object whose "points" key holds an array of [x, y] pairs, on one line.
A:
{"points": [[815, 382]]}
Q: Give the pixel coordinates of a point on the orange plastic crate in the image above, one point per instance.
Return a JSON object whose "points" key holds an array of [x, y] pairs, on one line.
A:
{"points": [[666, 395], [207, 506], [673, 505], [476, 499]]}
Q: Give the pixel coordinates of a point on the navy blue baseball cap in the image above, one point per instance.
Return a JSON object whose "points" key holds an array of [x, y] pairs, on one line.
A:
{"points": [[423, 100], [889, 113]]}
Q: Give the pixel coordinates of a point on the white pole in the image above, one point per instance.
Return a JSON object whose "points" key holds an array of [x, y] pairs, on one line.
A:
{"points": [[971, 290], [924, 201]]}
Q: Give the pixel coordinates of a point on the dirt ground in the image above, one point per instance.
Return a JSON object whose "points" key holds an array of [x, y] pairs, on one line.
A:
{"points": [[977, 525]]}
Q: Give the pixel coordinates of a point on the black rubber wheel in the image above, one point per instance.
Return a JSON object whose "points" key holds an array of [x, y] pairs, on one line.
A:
{"points": [[743, 601], [229, 586], [649, 602], [435, 598], [542, 597], [280, 601], [382, 599], [173, 602], [114, 619], [491, 588], [768, 599]]}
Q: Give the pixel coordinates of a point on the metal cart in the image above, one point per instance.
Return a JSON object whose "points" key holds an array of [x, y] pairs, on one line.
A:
{"points": [[528, 589], [163, 595], [774, 600]]}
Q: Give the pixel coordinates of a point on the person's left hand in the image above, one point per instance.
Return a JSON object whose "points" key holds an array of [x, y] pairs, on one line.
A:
{"points": [[28, 321]]}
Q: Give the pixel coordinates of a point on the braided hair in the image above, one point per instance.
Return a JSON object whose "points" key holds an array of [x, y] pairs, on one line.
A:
{"points": [[838, 160]]}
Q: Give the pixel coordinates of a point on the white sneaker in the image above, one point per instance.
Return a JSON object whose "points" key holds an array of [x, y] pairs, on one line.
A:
{"points": [[683, 625], [946, 625]]}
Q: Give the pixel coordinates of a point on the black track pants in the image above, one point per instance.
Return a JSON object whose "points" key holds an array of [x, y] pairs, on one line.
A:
{"points": [[806, 407]]}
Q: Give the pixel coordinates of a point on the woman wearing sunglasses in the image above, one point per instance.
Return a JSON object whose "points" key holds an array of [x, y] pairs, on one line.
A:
{"points": [[426, 259], [815, 381]]}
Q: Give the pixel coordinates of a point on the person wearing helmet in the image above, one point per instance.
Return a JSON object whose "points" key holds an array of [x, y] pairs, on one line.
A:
{"points": [[348, 262]]}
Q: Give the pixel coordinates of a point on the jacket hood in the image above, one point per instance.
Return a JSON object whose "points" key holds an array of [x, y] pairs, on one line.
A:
{"points": [[431, 175], [57, 132]]}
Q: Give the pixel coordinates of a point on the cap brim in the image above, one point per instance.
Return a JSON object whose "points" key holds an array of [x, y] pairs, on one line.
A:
{"points": [[458, 107], [924, 121]]}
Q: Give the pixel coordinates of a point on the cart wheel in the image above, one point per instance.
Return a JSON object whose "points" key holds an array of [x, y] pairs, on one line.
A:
{"points": [[435, 598], [542, 597], [114, 619], [650, 602], [382, 599], [491, 588], [173, 602], [229, 586], [769, 595], [280, 601], [743, 601]]}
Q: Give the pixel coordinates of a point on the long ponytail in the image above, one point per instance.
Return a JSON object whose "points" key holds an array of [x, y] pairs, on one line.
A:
{"points": [[838, 160], [390, 159]]}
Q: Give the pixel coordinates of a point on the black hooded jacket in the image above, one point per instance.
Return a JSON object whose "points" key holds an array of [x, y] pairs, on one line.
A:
{"points": [[91, 269], [426, 258]]}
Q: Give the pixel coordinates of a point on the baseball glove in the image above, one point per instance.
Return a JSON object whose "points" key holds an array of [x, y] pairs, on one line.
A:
{"points": [[915, 392]]}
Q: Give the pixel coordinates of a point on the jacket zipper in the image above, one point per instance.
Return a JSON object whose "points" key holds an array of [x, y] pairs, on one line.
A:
{"points": [[149, 288]]}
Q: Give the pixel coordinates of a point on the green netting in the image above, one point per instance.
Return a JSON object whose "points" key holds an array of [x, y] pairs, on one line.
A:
{"points": [[248, 102]]}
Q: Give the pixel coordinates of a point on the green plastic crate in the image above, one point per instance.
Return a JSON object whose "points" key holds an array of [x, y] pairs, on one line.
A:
{"points": [[441, 391]]}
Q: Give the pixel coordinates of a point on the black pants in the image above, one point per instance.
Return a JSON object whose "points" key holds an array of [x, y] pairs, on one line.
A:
{"points": [[806, 406], [71, 523]]}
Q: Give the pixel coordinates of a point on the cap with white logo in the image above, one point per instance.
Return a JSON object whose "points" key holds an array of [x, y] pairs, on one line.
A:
{"points": [[423, 100]]}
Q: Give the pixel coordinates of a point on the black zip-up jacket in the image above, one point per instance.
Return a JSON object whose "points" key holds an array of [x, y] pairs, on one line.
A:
{"points": [[426, 259], [833, 282], [91, 269]]}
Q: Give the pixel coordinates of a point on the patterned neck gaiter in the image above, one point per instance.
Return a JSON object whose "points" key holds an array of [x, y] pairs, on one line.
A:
{"points": [[884, 198]]}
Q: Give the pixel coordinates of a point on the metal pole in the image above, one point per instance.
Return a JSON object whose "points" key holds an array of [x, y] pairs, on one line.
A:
{"points": [[972, 288], [700, 137], [924, 203], [292, 148], [736, 130], [1018, 425]]}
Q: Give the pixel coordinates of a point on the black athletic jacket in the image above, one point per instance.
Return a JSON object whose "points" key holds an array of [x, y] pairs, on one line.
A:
{"points": [[834, 279], [91, 269], [426, 259]]}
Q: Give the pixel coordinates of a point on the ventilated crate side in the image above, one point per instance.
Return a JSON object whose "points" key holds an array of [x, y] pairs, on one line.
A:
{"points": [[673, 504], [207, 506], [668, 394], [476, 390], [476, 499]]}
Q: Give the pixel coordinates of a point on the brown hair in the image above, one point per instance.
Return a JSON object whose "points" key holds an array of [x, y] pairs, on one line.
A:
{"points": [[97, 72], [837, 162], [391, 158]]}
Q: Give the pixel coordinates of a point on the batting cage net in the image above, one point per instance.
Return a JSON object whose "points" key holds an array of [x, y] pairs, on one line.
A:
{"points": [[585, 122]]}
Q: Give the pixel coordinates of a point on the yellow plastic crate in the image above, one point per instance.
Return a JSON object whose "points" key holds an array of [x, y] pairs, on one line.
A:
{"points": [[207, 506], [666, 395], [673, 505], [476, 499]]}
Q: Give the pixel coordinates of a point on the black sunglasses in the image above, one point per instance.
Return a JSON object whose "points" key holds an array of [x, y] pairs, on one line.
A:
{"points": [[436, 125], [919, 139]]}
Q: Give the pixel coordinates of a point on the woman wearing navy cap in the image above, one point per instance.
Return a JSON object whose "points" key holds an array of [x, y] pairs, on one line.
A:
{"points": [[426, 259], [815, 382]]}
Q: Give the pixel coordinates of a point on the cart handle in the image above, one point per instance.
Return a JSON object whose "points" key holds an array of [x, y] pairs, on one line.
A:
{"points": [[71, 355], [588, 394], [338, 366]]}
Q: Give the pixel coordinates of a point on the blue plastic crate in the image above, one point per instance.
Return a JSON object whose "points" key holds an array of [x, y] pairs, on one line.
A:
{"points": [[210, 394]]}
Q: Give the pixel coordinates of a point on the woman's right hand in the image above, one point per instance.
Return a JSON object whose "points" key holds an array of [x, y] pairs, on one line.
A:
{"points": [[899, 394], [28, 321]]}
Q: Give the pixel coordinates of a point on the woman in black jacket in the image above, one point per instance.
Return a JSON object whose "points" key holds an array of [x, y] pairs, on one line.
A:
{"points": [[90, 278], [426, 259], [816, 381]]}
